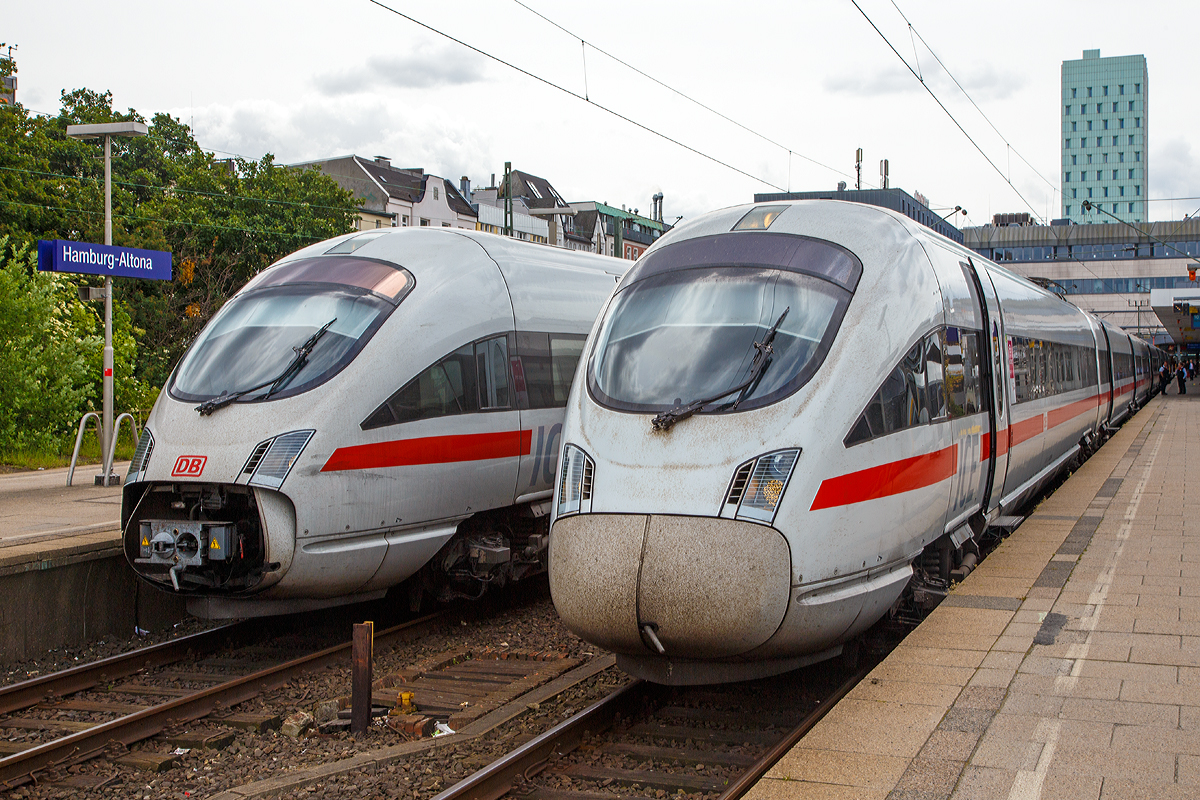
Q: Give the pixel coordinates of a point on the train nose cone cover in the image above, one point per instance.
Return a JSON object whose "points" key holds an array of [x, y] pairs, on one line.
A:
{"points": [[713, 588]]}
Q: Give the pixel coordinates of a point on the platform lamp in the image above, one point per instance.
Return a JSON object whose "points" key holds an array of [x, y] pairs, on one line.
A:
{"points": [[107, 130]]}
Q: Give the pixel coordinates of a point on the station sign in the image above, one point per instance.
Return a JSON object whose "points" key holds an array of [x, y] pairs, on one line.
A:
{"points": [[100, 259]]}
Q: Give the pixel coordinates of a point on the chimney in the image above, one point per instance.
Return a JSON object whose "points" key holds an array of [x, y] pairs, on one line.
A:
{"points": [[464, 186], [493, 186], [383, 161]]}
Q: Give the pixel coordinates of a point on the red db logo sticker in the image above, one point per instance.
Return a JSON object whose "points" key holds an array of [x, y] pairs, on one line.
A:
{"points": [[188, 466]]}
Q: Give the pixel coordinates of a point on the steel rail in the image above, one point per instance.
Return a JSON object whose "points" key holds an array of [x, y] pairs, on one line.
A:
{"points": [[24, 766], [751, 776], [18, 696], [494, 780]]}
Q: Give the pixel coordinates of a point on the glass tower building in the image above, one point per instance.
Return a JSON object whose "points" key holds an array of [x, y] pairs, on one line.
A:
{"points": [[1104, 134]]}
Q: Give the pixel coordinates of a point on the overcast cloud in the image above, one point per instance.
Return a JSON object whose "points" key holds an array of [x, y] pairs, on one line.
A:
{"points": [[420, 70], [816, 79]]}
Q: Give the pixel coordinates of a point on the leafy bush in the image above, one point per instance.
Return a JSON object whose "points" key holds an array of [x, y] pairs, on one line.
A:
{"points": [[47, 340]]}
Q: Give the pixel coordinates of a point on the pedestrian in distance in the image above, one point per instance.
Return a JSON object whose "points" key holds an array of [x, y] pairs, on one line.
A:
{"points": [[1181, 378]]}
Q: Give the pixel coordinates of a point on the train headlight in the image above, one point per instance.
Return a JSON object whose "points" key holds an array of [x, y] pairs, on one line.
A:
{"points": [[273, 459], [758, 486], [141, 455], [575, 482]]}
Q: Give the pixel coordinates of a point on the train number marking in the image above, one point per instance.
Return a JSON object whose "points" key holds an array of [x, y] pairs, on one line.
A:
{"points": [[188, 466], [545, 457]]}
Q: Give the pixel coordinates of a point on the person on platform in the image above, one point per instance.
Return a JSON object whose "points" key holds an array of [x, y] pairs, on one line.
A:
{"points": [[1164, 377], [1181, 379]]}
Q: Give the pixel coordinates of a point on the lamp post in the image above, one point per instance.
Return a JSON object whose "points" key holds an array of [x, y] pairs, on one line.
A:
{"points": [[107, 130]]}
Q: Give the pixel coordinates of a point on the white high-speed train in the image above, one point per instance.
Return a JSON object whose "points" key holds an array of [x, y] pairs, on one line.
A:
{"points": [[783, 407], [370, 406]]}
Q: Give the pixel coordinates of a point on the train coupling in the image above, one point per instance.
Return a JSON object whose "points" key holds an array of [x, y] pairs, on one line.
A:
{"points": [[179, 544]]}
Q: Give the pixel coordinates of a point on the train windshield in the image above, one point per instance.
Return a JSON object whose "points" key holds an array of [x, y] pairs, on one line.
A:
{"points": [[254, 339], [680, 336]]}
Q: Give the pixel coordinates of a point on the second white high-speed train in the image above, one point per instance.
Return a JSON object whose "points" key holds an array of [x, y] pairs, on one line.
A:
{"points": [[790, 412], [369, 407]]}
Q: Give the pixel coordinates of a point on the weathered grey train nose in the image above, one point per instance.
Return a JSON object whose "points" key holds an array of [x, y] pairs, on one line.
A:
{"points": [[698, 587]]}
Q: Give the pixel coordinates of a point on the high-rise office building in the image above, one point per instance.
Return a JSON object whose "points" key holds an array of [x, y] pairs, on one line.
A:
{"points": [[1105, 130]]}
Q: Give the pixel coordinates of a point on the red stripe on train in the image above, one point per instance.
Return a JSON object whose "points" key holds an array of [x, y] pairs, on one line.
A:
{"points": [[431, 450], [887, 479]]}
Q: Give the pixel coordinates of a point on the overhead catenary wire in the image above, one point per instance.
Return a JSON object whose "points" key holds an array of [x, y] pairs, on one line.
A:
{"points": [[576, 95], [941, 105], [679, 92], [1088, 205], [966, 94]]}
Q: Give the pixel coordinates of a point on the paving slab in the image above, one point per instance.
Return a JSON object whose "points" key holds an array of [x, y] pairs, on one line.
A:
{"points": [[1066, 666]]}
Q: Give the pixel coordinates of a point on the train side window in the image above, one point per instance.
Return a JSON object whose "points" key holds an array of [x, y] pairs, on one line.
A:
{"points": [[565, 352], [892, 396], [549, 361], [491, 360], [971, 380], [899, 404], [935, 374]]}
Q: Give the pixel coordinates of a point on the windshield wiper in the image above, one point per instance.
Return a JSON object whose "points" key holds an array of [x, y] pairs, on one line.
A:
{"points": [[762, 358], [302, 352]]}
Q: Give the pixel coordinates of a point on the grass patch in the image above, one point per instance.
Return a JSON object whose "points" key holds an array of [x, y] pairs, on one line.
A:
{"points": [[89, 453]]}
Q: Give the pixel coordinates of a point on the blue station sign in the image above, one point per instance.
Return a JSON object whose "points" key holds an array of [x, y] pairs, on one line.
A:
{"points": [[100, 259]]}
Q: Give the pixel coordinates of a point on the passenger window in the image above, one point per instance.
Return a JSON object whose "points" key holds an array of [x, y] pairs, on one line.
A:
{"points": [[491, 358], [471, 377], [934, 375], [549, 361], [565, 352], [892, 396], [899, 404]]}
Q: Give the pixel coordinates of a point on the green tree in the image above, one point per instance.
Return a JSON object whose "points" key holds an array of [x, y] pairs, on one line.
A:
{"points": [[46, 342], [223, 220]]}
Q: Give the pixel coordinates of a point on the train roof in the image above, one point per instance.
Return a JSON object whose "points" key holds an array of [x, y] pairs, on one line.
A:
{"points": [[401, 245]]}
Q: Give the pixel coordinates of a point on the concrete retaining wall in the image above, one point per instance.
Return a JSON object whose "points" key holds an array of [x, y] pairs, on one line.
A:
{"points": [[67, 593]]}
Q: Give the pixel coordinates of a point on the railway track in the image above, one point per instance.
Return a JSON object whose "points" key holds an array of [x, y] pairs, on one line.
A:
{"points": [[714, 741], [75, 715]]}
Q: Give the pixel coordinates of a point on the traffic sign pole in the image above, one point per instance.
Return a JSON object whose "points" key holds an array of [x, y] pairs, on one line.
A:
{"points": [[106, 426], [107, 131]]}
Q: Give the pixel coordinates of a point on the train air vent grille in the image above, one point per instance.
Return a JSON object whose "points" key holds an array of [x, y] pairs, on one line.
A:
{"points": [[585, 489], [738, 488], [281, 456], [141, 455], [256, 457]]}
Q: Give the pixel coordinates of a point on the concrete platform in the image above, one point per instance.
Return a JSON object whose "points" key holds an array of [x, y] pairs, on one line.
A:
{"points": [[63, 574], [1066, 666]]}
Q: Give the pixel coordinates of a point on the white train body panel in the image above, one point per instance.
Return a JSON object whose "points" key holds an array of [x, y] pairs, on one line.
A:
{"points": [[366, 503], [650, 557]]}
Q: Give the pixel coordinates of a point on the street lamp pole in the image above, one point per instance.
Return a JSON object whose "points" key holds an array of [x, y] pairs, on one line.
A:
{"points": [[107, 130]]}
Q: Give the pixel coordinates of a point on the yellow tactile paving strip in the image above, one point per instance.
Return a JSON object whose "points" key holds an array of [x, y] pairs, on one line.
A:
{"points": [[1066, 666]]}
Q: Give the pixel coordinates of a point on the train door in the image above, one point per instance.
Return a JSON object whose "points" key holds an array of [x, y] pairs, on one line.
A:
{"points": [[996, 447], [1106, 376], [967, 395]]}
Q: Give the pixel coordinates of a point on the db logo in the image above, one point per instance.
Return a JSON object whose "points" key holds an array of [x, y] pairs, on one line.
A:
{"points": [[188, 466]]}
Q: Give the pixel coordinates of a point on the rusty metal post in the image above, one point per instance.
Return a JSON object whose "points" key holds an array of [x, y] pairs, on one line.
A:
{"points": [[362, 657]]}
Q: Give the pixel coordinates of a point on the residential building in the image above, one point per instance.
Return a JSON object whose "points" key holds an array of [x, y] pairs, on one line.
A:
{"points": [[541, 200], [490, 207], [617, 232], [398, 197], [1104, 140]]}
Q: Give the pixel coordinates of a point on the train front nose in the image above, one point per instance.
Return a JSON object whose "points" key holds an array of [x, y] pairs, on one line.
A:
{"points": [[696, 587]]}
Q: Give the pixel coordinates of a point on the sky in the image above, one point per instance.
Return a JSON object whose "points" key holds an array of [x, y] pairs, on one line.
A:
{"points": [[793, 87]]}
